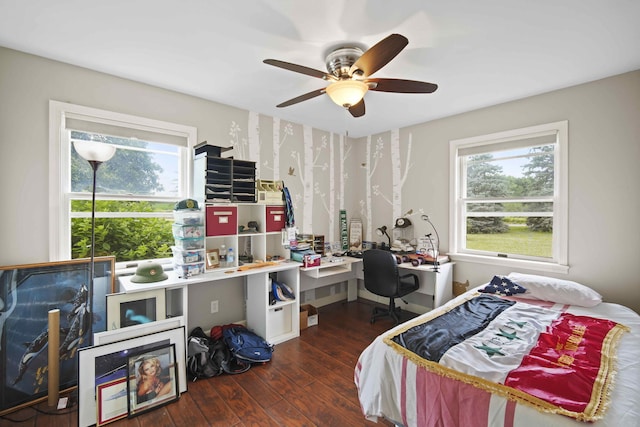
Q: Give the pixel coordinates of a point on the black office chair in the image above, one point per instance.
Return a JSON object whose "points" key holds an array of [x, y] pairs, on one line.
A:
{"points": [[381, 277]]}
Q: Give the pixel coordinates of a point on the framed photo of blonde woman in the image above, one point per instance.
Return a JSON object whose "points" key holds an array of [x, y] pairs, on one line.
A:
{"points": [[153, 379]]}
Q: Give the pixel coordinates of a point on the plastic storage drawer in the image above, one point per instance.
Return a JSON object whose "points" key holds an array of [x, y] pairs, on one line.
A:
{"points": [[186, 256], [190, 243], [182, 231], [188, 217], [188, 270]]}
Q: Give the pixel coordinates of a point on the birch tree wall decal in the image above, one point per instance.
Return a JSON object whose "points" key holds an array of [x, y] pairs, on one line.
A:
{"points": [[305, 173], [278, 141], [253, 129], [372, 164], [332, 190], [398, 176], [344, 155], [236, 142]]}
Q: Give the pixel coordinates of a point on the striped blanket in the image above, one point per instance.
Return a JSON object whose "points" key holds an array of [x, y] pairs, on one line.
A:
{"points": [[550, 360]]}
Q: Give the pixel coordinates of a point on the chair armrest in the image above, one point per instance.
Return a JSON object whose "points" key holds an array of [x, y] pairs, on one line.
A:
{"points": [[416, 280]]}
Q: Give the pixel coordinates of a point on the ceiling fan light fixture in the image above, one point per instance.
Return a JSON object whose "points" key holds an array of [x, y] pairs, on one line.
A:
{"points": [[347, 93]]}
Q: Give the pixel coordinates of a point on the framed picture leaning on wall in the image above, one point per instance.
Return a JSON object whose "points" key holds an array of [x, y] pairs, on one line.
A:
{"points": [[135, 308], [27, 294], [103, 364]]}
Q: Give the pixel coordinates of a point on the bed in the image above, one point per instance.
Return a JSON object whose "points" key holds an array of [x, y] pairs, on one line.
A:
{"points": [[522, 350]]}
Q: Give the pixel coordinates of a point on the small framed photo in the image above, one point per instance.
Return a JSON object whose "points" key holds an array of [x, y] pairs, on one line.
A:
{"points": [[111, 401], [135, 308], [213, 258], [152, 379]]}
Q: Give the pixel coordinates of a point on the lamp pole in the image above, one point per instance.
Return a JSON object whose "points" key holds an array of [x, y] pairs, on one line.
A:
{"points": [[94, 165], [95, 153]]}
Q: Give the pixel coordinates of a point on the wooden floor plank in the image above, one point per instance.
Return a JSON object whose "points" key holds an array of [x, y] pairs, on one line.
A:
{"points": [[309, 382]]}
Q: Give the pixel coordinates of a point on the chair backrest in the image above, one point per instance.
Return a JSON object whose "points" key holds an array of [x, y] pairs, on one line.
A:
{"points": [[380, 272]]}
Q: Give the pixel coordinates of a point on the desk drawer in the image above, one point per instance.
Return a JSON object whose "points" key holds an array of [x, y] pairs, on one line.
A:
{"points": [[222, 220], [276, 216]]}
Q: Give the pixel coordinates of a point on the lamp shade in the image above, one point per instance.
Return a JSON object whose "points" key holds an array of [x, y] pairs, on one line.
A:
{"points": [[94, 151], [347, 93]]}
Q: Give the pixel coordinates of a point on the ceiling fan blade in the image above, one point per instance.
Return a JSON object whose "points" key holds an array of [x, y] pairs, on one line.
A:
{"points": [[401, 86], [301, 98], [379, 55], [358, 109], [299, 69]]}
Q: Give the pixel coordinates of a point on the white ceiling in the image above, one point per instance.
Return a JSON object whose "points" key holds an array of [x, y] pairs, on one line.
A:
{"points": [[479, 52]]}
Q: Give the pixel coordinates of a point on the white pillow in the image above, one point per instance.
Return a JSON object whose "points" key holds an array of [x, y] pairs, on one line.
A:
{"points": [[556, 290]]}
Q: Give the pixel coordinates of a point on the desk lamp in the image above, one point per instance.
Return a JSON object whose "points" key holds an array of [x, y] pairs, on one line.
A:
{"points": [[436, 247], [95, 153], [382, 231]]}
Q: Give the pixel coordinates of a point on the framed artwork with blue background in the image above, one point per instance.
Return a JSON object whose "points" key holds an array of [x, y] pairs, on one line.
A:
{"points": [[27, 293]]}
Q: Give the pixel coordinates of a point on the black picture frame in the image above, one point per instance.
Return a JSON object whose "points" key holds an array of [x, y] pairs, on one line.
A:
{"points": [[152, 379], [28, 292]]}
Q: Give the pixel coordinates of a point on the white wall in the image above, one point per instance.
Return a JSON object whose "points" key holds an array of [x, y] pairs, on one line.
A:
{"points": [[604, 150]]}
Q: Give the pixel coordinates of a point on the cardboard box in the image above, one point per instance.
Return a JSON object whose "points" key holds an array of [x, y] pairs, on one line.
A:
{"points": [[304, 315], [459, 288], [312, 314]]}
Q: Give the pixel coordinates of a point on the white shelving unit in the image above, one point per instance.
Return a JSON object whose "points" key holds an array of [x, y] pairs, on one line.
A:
{"points": [[278, 322], [264, 243]]}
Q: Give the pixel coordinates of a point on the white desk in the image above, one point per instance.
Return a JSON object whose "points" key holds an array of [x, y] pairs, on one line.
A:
{"points": [[438, 285], [330, 271], [276, 323]]}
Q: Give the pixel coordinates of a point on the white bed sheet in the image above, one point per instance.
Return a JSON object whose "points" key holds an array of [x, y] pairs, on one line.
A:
{"points": [[381, 395]]}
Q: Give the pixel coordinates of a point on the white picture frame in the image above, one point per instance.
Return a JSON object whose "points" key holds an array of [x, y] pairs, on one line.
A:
{"points": [[87, 406], [108, 337], [355, 235], [128, 309]]}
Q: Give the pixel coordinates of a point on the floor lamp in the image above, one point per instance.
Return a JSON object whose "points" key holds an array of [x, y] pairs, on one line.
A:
{"points": [[95, 153]]}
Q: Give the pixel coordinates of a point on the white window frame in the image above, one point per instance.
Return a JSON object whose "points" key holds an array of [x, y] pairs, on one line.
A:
{"points": [[558, 262], [59, 167]]}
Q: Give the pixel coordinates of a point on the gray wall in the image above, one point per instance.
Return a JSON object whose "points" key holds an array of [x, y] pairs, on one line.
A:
{"points": [[604, 178], [604, 150]]}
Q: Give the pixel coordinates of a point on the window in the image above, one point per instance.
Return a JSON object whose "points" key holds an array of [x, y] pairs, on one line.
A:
{"points": [[135, 190], [509, 201]]}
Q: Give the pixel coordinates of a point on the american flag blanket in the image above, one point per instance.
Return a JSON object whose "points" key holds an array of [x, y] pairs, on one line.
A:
{"points": [[554, 361]]}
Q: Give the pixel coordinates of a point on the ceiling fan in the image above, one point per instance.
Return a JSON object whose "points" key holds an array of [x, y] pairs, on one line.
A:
{"points": [[349, 70]]}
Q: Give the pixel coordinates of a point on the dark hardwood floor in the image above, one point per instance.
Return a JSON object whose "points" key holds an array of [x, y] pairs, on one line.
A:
{"points": [[309, 382]]}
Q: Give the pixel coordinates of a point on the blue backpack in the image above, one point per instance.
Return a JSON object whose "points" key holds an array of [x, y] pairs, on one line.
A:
{"points": [[247, 346]]}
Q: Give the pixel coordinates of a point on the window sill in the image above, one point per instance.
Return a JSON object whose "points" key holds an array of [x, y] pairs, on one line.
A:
{"points": [[546, 267]]}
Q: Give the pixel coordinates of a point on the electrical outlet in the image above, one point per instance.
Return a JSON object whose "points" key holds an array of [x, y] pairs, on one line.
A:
{"points": [[214, 306]]}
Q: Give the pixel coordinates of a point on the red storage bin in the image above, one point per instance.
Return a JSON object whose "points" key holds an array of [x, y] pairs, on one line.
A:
{"points": [[275, 218], [222, 220]]}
